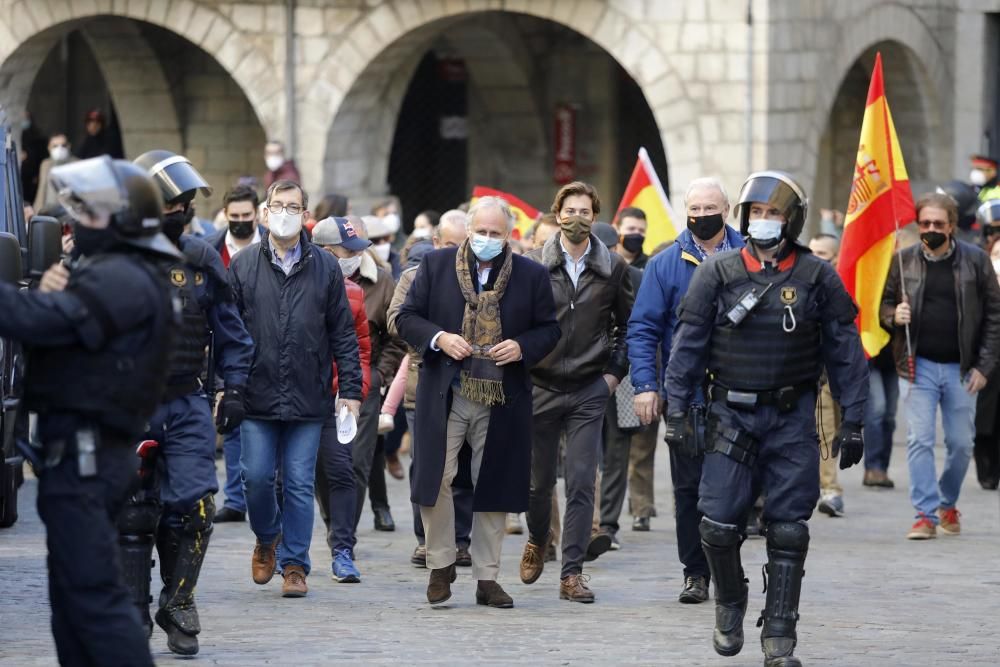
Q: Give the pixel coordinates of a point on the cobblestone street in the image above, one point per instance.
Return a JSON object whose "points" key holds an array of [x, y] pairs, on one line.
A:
{"points": [[869, 597]]}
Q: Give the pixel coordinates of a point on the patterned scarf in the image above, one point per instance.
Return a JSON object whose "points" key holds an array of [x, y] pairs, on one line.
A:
{"points": [[481, 378]]}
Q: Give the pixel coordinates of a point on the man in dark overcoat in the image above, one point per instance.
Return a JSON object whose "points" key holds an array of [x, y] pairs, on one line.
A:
{"points": [[480, 317]]}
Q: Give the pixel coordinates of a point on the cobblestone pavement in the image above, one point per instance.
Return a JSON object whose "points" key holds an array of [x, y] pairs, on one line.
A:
{"points": [[869, 597]]}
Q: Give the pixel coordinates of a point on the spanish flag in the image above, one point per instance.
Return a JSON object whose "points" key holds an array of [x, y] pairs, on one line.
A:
{"points": [[644, 191], [526, 214], [880, 203]]}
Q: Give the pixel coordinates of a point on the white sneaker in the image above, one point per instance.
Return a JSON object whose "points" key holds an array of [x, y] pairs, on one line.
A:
{"points": [[831, 504]]}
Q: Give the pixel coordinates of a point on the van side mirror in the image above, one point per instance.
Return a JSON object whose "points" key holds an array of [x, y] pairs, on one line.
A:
{"points": [[44, 244], [10, 259]]}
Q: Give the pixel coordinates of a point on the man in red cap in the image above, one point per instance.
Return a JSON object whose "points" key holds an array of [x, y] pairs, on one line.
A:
{"points": [[983, 177]]}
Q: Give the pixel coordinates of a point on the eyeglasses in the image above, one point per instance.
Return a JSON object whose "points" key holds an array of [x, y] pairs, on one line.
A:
{"points": [[935, 224], [278, 207]]}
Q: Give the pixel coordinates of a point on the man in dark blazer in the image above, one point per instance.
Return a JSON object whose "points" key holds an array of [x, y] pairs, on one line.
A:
{"points": [[480, 317]]}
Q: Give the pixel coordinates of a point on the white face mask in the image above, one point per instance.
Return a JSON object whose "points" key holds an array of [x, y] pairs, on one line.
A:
{"points": [[284, 225], [382, 251], [765, 230], [59, 153], [977, 177], [274, 162], [421, 233], [349, 265]]}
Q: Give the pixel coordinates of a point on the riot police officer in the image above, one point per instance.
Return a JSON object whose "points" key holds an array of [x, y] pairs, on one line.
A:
{"points": [[182, 424], [763, 322], [97, 359]]}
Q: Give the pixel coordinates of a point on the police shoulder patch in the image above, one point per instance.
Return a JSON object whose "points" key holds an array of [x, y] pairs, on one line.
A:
{"points": [[178, 277], [789, 295]]}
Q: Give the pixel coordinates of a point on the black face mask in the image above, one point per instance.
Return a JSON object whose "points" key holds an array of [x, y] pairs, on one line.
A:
{"points": [[89, 242], [241, 229], [633, 242], [173, 225], [933, 240], [705, 227]]}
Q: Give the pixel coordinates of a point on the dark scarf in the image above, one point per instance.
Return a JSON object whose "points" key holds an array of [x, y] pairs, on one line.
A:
{"points": [[482, 379]]}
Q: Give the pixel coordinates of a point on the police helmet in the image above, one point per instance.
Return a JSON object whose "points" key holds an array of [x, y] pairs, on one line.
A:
{"points": [[988, 216], [965, 196], [176, 177], [777, 189]]}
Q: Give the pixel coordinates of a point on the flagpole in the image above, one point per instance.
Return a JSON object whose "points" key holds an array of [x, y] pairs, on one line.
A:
{"points": [[911, 363]]}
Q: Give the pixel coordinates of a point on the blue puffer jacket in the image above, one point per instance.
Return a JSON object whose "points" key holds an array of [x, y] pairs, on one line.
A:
{"points": [[301, 324], [654, 315]]}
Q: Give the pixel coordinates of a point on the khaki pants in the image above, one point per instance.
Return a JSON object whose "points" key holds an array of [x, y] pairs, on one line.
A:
{"points": [[827, 423], [468, 422], [641, 498]]}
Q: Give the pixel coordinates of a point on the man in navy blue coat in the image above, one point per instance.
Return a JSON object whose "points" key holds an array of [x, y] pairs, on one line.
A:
{"points": [[480, 317], [650, 330]]}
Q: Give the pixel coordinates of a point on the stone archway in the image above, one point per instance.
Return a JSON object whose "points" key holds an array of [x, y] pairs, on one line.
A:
{"points": [[360, 57], [21, 53]]}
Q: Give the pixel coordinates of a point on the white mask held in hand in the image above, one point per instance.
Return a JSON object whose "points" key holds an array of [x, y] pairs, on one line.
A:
{"points": [[382, 251], [347, 426], [274, 162], [765, 233], [284, 225]]}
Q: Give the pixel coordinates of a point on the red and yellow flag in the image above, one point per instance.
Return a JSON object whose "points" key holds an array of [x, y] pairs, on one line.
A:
{"points": [[644, 191], [526, 214], [880, 203]]}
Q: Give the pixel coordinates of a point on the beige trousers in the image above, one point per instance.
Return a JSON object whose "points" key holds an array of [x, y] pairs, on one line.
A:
{"points": [[827, 423], [468, 422], [641, 499]]}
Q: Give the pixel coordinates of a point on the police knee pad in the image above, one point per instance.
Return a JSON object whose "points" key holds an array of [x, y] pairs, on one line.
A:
{"points": [[139, 518], [721, 535], [201, 517], [788, 536]]}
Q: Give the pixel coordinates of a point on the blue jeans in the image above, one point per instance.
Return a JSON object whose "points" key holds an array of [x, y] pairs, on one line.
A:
{"points": [[294, 445], [937, 384], [231, 447], [880, 416]]}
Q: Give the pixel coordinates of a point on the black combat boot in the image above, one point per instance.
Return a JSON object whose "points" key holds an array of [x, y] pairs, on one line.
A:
{"points": [[181, 558], [787, 544], [136, 530], [721, 544]]}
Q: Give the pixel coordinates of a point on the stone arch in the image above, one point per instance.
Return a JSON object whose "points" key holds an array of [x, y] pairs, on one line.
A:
{"points": [[403, 25], [202, 25], [895, 27]]}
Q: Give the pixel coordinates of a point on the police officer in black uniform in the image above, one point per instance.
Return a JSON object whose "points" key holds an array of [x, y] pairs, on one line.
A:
{"points": [[763, 322], [97, 360], [182, 423]]}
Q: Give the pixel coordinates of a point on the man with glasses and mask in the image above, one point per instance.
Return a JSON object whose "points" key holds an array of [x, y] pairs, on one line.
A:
{"points": [[182, 424], [651, 330], [291, 296], [763, 322], [944, 310], [593, 294]]}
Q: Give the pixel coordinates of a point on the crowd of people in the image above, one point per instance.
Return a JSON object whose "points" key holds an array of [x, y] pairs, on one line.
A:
{"points": [[310, 339]]}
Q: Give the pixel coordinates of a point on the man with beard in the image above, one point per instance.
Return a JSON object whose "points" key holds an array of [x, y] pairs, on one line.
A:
{"points": [[651, 330]]}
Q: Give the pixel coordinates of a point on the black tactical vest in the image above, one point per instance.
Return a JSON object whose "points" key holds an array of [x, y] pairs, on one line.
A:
{"points": [[759, 354], [187, 354], [117, 386]]}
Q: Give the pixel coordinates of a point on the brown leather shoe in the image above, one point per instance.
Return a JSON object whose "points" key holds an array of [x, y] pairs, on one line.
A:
{"points": [[439, 586], [393, 465], [264, 560], [490, 593], [574, 588], [295, 582], [533, 560]]}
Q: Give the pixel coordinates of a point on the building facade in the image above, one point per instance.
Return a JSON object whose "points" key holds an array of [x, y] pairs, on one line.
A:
{"points": [[427, 98]]}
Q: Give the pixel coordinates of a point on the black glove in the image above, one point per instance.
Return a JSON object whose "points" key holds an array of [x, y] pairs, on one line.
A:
{"points": [[231, 411], [849, 443], [678, 430]]}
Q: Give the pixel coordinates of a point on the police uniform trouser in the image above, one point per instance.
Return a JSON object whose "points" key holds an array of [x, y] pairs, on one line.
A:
{"points": [[94, 620]]}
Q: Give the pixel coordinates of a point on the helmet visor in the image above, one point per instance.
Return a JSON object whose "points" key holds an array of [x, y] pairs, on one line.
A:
{"points": [[989, 212], [89, 188], [176, 176], [773, 191]]}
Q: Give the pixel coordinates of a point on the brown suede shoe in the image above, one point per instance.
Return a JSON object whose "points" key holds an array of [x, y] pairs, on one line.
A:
{"points": [[574, 588], [533, 560], [264, 560], [295, 582], [490, 593], [439, 586]]}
